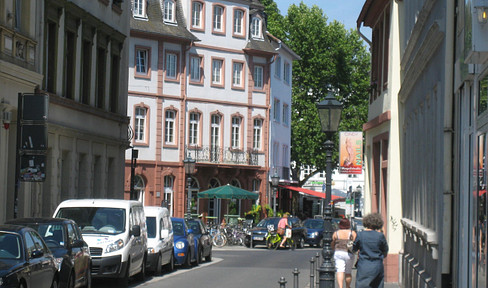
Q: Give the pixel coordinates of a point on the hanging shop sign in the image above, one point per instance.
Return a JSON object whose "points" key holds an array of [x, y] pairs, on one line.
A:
{"points": [[351, 152]]}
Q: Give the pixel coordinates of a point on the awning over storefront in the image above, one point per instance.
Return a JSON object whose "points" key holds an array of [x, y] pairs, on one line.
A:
{"points": [[334, 198]]}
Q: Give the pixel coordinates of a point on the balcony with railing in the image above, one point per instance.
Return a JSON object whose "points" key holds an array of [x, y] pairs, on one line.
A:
{"points": [[223, 155]]}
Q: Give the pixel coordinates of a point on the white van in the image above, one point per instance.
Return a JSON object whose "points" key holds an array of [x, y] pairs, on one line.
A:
{"points": [[115, 231], [159, 239]]}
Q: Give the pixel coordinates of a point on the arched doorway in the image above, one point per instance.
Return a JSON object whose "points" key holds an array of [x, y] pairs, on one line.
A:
{"points": [[214, 204], [194, 204]]}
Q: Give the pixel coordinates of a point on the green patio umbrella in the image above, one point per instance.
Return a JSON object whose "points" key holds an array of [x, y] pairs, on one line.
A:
{"points": [[228, 192]]}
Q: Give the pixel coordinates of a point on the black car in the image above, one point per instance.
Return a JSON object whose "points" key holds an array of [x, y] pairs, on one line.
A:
{"points": [[25, 259], [202, 236], [260, 232], [63, 237], [315, 231]]}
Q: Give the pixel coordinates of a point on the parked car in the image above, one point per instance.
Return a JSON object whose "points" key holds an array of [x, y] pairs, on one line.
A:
{"points": [[202, 238], [260, 232], [184, 244], [25, 259], [63, 237], [115, 231], [315, 231], [159, 239]]}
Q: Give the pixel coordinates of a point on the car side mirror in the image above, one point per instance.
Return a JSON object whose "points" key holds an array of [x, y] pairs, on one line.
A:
{"points": [[78, 243], [135, 230], [37, 254], [164, 233]]}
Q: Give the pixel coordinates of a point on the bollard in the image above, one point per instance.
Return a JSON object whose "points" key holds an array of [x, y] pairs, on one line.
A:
{"points": [[312, 272], [317, 279], [295, 277], [282, 282]]}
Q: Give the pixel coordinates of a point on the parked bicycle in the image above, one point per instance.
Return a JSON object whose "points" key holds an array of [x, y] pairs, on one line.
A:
{"points": [[273, 240]]}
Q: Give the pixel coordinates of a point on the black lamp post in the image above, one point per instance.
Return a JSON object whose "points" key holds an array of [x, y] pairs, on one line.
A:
{"points": [[275, 180], [357, 201], [133, 164], [189, 164], [330, 115]]}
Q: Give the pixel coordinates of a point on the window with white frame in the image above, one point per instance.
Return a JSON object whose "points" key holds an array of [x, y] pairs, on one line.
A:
{"points": [[214, 137], [277, 110], [217, 65], [287, 73], [168, 191], [257, 130], [238, 22], [286, 113], [285, 157], [195, 68], [142, 61], [237, 69], [169, 11], [171, 65], [218, 18], [278, 67], [197, 15], [256, 183], [140, 124], [139, 8], [236, 130], [258, 77], [256, 27], [169, 127], [194, 126]]}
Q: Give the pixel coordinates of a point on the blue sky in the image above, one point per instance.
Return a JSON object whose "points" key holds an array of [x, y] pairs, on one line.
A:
{"points": [[344, 11]]}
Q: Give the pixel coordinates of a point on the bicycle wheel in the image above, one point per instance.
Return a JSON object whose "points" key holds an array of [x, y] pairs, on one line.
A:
{"points": [[219, 240]]}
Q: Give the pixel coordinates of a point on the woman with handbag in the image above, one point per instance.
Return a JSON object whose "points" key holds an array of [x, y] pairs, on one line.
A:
{"points": [[342, 241], [282, 226]]}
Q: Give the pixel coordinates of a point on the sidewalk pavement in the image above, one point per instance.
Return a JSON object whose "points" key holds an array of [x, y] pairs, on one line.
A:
{"points": [[353, 284]]}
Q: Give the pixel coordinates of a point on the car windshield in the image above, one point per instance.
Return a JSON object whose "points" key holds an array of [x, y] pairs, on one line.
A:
{"points": [[195, 226], [151, 227], [268, 221], [10, 247], [314, 224], [96, 220], [52, 234], [178, 228]]}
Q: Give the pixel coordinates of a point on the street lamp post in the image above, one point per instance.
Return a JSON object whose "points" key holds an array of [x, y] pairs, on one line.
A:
{"points": [[330, 115], [189, 165], [133, 164], [275, 180]]}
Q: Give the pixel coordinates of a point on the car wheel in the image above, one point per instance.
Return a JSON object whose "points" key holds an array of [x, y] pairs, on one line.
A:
{"points": [[209, 257], [200, 256], [188, 260], [22, 285], [158, 269], [141, 276], [171, 265], [124, 281]]}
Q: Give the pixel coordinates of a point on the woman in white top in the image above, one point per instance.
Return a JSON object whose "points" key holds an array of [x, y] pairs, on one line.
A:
{"points": [[343, 259]]}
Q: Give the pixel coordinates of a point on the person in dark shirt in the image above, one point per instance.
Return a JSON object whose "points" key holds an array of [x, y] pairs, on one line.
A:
{"points": [[373, 248]]}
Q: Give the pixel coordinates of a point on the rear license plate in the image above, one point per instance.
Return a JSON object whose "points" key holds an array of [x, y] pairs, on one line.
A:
{"points": [[258, 238]]}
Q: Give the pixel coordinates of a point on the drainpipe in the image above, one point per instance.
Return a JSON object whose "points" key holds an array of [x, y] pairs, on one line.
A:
{"points": [[362, 35], [448, 139]]}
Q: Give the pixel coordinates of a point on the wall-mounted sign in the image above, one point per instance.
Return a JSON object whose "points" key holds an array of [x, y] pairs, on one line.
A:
{"points": [[351, 152], [32, 168]]}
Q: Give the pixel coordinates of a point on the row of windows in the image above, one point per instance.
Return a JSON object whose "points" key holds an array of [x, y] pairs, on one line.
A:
{"points": [[196, 71], [195, 129], [286, 70], [277, 112], [198, 17]]}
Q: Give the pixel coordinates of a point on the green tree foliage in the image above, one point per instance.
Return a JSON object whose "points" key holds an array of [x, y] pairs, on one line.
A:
{"points": [[331, 58]]}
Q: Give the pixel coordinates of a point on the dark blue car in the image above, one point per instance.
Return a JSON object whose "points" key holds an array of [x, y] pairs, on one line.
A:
{"points": [[25, 259], [184, 243], [315, 231], [202, 238]]}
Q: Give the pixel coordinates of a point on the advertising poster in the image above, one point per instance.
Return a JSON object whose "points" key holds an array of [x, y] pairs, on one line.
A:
{"points": [[351, 152]]}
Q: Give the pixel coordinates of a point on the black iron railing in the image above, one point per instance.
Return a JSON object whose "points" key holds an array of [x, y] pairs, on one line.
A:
{"points": [[221, 155]]}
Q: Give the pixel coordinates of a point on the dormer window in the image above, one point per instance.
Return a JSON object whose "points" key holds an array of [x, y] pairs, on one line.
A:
{"points": [[256, 28], [169, 11], [139, 9]]}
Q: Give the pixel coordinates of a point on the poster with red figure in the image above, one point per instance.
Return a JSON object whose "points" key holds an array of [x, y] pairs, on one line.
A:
{"points": [[351, 152]]}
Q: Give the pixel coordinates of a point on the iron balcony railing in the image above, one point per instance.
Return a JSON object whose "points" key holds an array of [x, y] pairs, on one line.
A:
{"points": [[221, 155]]}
